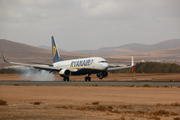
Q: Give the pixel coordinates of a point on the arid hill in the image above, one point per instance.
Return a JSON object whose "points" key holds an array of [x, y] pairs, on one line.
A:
{"points": [[132, 48], [19, 52], [167, 55]]}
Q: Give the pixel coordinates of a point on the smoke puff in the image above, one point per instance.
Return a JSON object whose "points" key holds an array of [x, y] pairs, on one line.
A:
{"points": [[36, 75]]}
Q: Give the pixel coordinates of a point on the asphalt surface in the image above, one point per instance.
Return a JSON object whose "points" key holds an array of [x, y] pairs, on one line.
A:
{"points": [[93, 83]]}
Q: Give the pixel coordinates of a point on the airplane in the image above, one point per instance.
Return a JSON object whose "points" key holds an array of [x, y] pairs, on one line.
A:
{"points": [[66, 68]]}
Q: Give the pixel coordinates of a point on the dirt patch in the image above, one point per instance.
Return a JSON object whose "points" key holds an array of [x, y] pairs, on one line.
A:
{"points": [[95, 103], [3, 102], [36, 103], [118, 109]]}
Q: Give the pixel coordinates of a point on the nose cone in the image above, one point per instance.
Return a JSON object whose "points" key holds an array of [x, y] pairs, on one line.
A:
{"points": [[105, 66]]}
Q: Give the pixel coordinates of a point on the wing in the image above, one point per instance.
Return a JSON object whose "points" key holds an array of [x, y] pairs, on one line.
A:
{"points": [[41, 63], [40, 67], [117, 68]]}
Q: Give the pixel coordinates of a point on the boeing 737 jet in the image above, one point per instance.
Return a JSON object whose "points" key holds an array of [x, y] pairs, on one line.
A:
{"points": [[83, 66]]}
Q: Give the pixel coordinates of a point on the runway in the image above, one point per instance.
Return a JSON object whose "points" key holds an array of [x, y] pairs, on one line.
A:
{"points": [[92, 83]]}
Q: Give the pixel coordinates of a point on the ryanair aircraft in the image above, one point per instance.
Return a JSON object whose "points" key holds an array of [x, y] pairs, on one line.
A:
{"points": [[66, 68]]}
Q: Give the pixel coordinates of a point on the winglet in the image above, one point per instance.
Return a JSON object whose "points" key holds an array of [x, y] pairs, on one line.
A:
{"points": [[132, 62], [4, 58]]}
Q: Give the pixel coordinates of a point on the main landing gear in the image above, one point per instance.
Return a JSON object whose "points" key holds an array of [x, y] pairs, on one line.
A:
{"points": [[87, 78], [65, 78]]}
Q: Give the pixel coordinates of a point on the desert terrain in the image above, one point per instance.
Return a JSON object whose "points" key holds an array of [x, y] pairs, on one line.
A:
{"points": [[91, 102]]}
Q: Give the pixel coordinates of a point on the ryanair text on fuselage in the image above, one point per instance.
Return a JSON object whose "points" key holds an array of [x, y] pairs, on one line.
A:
{"points": [[81, 63]]}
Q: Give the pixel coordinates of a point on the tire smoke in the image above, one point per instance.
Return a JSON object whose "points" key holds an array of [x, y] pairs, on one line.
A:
{"points": [[35, 75]]}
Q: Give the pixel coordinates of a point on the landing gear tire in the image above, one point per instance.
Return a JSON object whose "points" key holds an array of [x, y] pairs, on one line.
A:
{"points": [[87, 78], [65, 78], [100, 76]]}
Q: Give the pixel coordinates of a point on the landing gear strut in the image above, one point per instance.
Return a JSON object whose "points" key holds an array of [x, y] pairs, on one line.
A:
{"points": [[99, 76], [65, 78], [87, 78]]}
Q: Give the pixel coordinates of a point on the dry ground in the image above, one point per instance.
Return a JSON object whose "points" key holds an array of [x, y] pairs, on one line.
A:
{"points": [[89, 103], [111, 77]]}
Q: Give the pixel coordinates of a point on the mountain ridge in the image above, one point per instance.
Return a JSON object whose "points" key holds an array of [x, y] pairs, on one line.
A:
{"points": [[126, 49], [19, 52], [132, 48]]}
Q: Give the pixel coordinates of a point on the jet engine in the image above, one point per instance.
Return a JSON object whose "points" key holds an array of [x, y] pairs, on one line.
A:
{"points": [[102, 74], [65, 72]]}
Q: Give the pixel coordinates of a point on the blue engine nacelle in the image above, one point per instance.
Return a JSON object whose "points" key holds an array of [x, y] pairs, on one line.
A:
{"points": [[102, 74]]}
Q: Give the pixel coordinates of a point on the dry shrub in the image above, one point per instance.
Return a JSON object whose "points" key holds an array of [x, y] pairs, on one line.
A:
{"points": [[146, 85], [177, 118], [36, 103], [95, 103], [159, 104], [110, 107], [3, 102], [163, 113], [64, 107], [175, 104], [122, 118], [140, 112], [124, 106], [108, 113], [114, 111], [84, 108], [101, 108], [154, 118], [16, 85], [98, 108], [57, 107], [131, 86], [137, 113]]}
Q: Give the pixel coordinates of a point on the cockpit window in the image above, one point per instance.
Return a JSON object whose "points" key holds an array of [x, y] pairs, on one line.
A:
{"points": [[102, 61]]}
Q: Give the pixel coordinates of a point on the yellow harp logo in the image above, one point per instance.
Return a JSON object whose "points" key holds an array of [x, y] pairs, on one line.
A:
{"points": [[54, 51]]}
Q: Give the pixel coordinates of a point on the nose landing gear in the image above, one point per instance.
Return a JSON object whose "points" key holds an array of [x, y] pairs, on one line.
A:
{"points": [[87, 78], [65, 78]]}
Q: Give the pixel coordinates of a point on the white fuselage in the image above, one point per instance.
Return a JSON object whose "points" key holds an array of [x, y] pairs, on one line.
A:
{"points": [[94, 64]]}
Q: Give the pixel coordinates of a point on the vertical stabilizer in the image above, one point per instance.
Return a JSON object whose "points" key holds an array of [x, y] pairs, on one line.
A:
{"points": [[55, 52]]}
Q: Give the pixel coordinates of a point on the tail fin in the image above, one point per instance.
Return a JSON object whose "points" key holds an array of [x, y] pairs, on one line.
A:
{"points": [[55, 52]]}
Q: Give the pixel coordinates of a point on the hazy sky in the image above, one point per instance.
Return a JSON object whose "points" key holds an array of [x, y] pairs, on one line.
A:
{"points": [[89, 24]]}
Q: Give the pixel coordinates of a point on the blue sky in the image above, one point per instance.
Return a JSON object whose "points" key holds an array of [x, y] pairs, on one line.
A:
{"points": [[89, 24]]}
